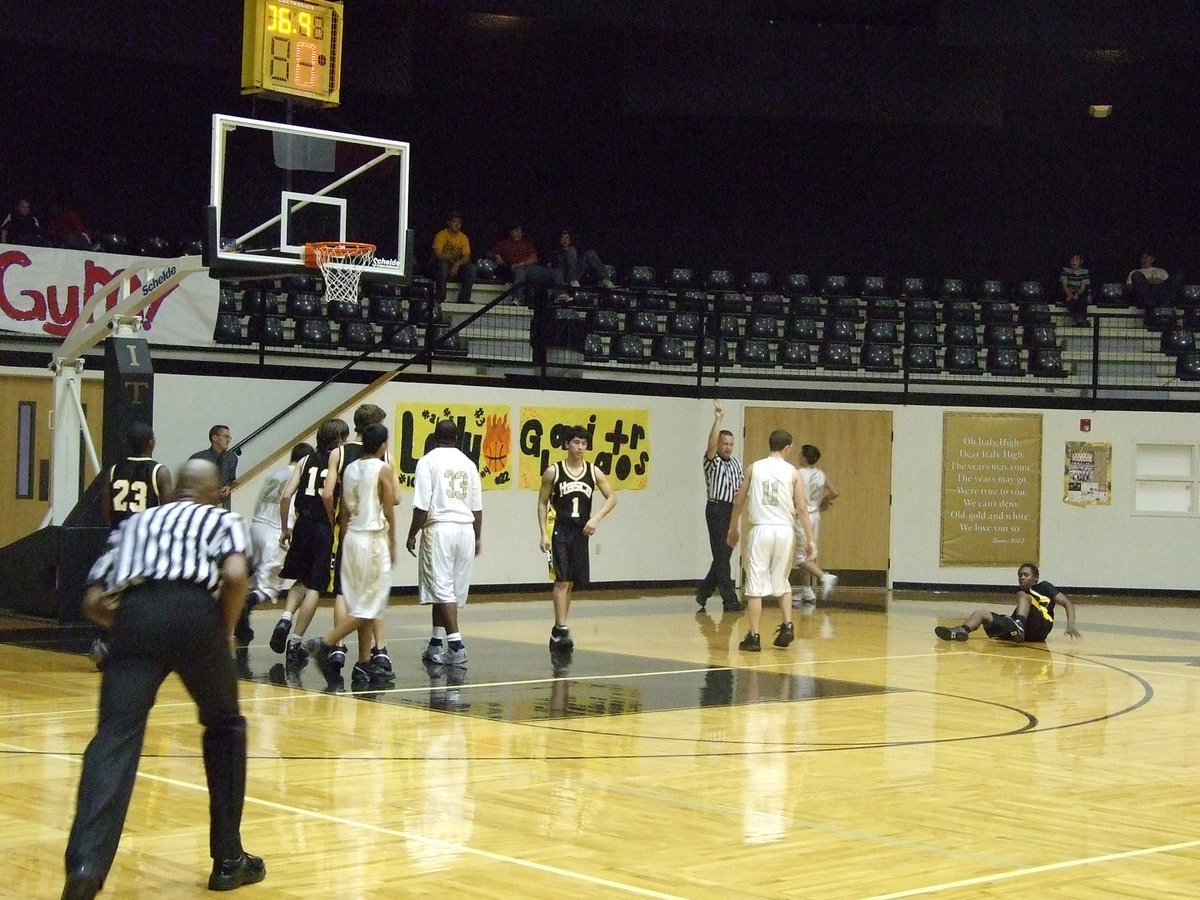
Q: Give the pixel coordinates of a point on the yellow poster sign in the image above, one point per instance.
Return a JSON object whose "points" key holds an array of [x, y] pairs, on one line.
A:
{"points": [[484, 434], [618, 445], [991, 489]]}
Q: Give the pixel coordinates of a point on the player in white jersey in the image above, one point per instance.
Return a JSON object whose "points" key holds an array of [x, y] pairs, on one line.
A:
{"points": [[448, 515], [819, 494], [265, 529], [773, 497], [368, 526]]}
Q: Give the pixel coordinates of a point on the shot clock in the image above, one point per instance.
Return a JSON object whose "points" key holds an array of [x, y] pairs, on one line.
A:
{"points": [[293, 48]]}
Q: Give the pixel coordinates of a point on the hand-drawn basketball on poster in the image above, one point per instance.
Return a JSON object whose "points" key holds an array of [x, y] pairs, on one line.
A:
{"points": [[484, 434], [1088, 479]]}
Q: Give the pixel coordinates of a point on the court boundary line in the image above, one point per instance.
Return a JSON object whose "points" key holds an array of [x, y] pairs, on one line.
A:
{"points": [[1035, 870], [387, 832]]}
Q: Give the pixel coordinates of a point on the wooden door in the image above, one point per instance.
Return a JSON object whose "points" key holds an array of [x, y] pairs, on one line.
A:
{"points": [[856, 454], [25, 443]]}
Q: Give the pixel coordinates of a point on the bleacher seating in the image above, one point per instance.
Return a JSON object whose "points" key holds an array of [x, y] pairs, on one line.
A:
{"points": [[800, 328], [958, 312], [962, 360], [357, 335], [879, 357], [835, 355], [753, 352], [795, 355], [960, 335], [913, 287], [921, 358], [1047, 362], [1187, 366], [314, 334], [670, 350], [920, 333], [951, 290], [1177, 340], [754, 320], [883, 308], [1004, 360]]}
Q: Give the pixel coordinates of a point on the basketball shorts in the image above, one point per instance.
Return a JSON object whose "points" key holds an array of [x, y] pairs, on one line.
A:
{"points": [[769, 556], [310, 554], [445, 559], [1037, 628], [801, 557], [268, 556], [569, 556], [366, 572]]}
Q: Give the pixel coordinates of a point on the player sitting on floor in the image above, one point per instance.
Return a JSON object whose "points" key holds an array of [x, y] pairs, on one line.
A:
{"points": [[1030, 621]]}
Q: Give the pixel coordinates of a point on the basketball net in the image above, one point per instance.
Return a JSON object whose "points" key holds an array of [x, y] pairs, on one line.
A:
{"points": [[341, 263]]}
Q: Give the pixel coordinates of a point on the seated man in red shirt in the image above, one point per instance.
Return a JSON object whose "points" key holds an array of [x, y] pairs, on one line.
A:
{"points": [[521, 257]]}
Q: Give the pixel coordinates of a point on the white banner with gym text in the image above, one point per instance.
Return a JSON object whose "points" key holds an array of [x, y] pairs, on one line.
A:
{"points": [[42, 291]]}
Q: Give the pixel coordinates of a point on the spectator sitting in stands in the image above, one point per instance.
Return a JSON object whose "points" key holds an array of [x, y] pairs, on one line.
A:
{"points": [[1151, 285], [21, 226], [570, 267], [64, 227], [1076, 284], [452, 259], [521, 257]]}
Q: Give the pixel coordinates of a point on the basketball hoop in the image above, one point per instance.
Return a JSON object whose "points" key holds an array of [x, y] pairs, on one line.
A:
{"points": [[341, 263]]}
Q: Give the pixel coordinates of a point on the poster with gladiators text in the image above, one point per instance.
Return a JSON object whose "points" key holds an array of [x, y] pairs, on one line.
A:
{"points": [[991, 489], [618, 443]]}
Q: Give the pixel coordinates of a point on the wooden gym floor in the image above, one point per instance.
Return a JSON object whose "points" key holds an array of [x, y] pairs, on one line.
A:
{"points": [[868, 760]]}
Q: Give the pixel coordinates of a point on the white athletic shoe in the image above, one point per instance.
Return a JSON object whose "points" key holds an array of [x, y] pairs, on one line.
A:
{"points": [[808, 595], [828, 583]]}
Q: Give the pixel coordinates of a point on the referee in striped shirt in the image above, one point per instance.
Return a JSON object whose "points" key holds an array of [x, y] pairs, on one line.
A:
{"points": [[722, 479], [154, 588]]}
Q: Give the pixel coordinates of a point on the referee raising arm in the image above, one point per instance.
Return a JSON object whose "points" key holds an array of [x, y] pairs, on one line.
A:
{"points": [[722, 478], [154, 588]]}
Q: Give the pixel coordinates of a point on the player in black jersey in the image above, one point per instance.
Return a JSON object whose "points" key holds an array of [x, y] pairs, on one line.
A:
{"points": [[137, 482], [567, 489], [309, 542], [1031, 620]]}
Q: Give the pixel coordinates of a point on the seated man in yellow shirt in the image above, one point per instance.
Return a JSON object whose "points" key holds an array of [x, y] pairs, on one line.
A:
{"points": [[452, 260]]}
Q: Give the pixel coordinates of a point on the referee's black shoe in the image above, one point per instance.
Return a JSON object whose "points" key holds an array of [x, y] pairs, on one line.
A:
{"points": [[229, 874], [733, 605]]}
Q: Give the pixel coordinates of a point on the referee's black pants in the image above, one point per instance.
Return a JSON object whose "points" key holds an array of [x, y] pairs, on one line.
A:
{"points": [[717, 514], [161, 627]]}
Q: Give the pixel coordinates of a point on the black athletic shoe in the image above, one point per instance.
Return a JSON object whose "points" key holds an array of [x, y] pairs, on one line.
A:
{"points": [[321, 653], [787, 634], [296, 654], [279, 636], [701, 600], [957, 633], [560, 638], [229, 874], [360, 675], [337, 657], [751, 642], [733, 605], [380, 665]]}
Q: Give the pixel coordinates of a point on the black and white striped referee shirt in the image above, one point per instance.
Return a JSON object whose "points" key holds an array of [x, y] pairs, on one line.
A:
{"points": [[722, 478], [180, 541]]}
